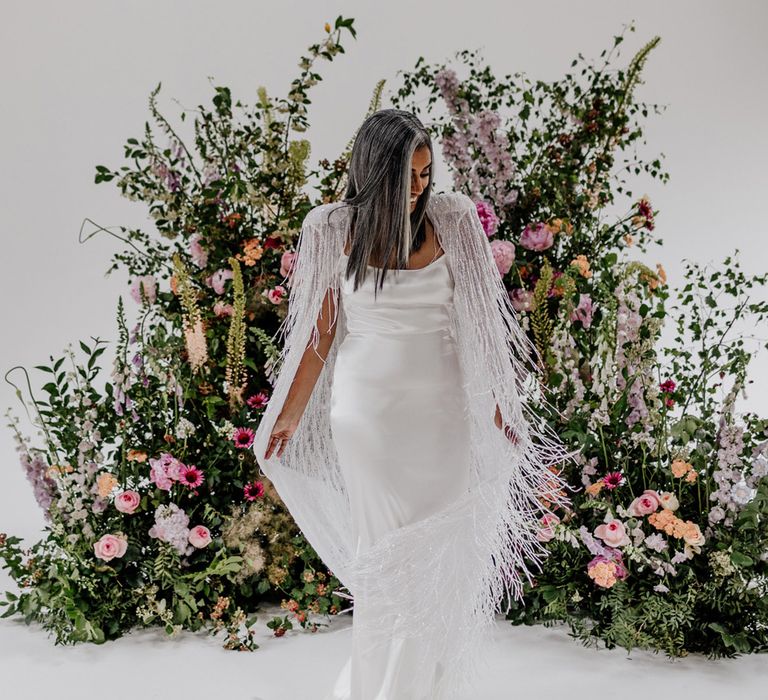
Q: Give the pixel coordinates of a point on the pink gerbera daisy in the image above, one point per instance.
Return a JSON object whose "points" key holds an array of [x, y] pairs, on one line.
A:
{"points": [[257, 400], [243, 437], [613, 479], [191, 476], [253, 490]]}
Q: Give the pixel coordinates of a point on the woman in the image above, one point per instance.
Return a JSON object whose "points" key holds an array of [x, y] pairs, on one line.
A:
{"points": [[402, 363]]}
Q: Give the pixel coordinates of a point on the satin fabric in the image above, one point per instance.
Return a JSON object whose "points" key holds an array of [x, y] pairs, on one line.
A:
{"points": [[400, 426]]}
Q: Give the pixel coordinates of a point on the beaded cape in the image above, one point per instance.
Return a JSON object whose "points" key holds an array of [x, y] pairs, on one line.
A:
{"points": [[442, 578]]}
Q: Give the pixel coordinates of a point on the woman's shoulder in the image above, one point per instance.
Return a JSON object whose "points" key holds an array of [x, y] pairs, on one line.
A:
{"points": [[450, 202]]}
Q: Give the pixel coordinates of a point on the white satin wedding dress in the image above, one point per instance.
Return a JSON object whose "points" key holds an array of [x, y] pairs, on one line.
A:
{"points": [[399, 422]]}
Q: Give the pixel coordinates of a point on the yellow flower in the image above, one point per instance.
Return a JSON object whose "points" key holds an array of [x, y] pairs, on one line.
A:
{"points": [[327, 27]]}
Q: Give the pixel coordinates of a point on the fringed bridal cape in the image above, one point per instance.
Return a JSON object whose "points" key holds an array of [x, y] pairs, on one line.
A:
{"points": [[438, 580]]}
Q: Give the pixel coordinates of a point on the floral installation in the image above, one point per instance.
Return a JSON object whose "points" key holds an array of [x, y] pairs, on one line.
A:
{"points": [[156, 511]]}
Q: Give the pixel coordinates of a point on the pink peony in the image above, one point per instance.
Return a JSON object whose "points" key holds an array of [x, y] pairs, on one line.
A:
{"points": [[522, 299], [537, 237], [127, 501], [110, 546], [488, 217], [612, 533], [504, 255], [199, 536], [146, 283], [646, 503]]}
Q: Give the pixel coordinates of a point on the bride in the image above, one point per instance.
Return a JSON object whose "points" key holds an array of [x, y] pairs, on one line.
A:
{"points": [[403, 431]]}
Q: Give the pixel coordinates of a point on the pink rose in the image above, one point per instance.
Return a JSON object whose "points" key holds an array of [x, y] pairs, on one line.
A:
{"points": [[646, 503], [537, 237], [286, 262], [547, 530], [110, 546], [199, 536], [221, 308], [612, 533], [503, 254], [127, 501], [277, 294], [218, 278]]}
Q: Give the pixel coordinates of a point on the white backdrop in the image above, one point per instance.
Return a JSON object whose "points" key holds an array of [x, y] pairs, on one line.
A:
{"points": [[77, 75]]}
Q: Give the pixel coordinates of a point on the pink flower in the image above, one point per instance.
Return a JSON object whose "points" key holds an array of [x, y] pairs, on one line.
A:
{"points": [[198, 253], [220, 308], [522, 299], [583, 312], [537, 237], [286, 262], [217, 280], [277, 294], [488, 217], [127, 501], [164, 470], [243, 438], [646, 503], [613, 480], [257, 400], [612, 533], [199, 536], [547, 530], [253, 490], [146, 283], [110, 546], [191, 476], [503, 254]]}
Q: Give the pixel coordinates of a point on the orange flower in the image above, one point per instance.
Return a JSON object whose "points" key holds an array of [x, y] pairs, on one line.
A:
{"points": [[680, 467], [594, 489], [105, 483], [628, 239], [581, 263], [136, 456]]}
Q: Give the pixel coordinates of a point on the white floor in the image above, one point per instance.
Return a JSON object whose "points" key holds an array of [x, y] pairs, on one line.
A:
{"points": [[533, 663]]}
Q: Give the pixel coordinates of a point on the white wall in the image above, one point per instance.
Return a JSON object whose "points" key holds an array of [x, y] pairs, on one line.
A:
{"points": [[76, 77]]}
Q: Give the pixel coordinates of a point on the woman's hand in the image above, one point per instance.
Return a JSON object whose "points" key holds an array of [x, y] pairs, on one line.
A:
{"points": [[507, 430], [284, 427]]}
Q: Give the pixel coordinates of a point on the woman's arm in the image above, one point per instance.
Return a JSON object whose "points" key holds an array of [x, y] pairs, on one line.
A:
{"points": [[310, 366]]}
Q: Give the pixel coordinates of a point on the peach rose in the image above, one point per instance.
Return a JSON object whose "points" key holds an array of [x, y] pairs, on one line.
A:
{"points": [[668, 500], [199, 536], [693, 534], [105, 482], [127, 501], [647, 502], [110, 546], [612, 533]]}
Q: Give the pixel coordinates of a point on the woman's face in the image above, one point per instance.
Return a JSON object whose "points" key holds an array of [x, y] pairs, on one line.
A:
{"points": [[421, 167]]}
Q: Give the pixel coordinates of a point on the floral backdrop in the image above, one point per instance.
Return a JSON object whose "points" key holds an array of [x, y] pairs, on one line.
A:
{"points": [[156, 512]]}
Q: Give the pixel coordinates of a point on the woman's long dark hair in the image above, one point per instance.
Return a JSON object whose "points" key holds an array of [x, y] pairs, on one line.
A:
{"points": [[379, 191]]}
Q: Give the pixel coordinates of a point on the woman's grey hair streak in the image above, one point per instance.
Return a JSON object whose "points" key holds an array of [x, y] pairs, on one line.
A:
{"points": [[379, 190]]}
